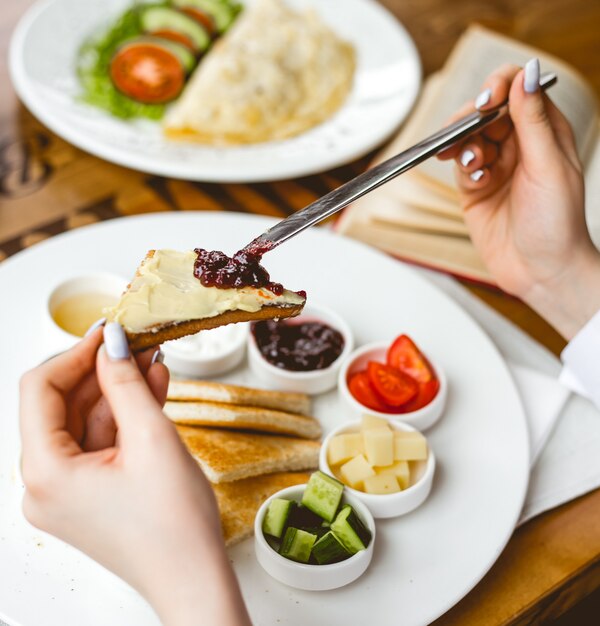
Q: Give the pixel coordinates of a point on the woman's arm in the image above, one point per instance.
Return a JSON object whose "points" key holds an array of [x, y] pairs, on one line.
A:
{"points": [[136, 502]]}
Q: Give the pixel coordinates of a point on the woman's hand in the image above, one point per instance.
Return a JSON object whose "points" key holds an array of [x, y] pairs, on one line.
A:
{"points": [[521, 187], [105, 471]]}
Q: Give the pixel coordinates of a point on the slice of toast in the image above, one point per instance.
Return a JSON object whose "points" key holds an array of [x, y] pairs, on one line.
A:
{"points": [[242, 417], [227, 455], [204, 391], [165, 301], [240, 500]]}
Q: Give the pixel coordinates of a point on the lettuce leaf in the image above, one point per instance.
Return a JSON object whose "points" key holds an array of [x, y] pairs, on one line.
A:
{"points": [[93, 63]]}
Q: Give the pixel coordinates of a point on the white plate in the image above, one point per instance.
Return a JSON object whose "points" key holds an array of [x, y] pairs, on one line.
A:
{"points": [[423, 562], [42, 67]]}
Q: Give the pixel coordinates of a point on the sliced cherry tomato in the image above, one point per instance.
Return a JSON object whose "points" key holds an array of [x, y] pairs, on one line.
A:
{"points": [[391, 384], [427, 392], [360, 387], [147, 73], [405, 355], [177, 37], [203, 18]]}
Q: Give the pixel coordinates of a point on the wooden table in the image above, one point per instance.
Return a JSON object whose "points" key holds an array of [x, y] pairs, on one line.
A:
{"points": [[47, 186]]}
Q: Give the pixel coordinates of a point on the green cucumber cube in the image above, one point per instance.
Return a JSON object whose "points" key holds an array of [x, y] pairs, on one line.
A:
{"points": [[322, 495], [297, 544], [329, 549], [350, 530], [276, 517]]}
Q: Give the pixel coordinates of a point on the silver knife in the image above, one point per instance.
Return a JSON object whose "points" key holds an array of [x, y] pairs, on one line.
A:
{"points": [[362, 184]]}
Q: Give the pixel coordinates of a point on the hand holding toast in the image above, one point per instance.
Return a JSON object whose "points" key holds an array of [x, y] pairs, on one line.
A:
{"points": [[105, 471], [521, 186]]}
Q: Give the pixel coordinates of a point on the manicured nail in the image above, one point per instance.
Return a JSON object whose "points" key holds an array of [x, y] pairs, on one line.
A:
{"points": [[467, 157], [95, 326], [158, 357], [115, 342], [483, 98], [531, 77], [476, 175]]}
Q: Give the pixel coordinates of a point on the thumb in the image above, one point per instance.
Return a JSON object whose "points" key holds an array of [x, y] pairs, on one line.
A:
{"points": [[133, 404], [528, 112]]}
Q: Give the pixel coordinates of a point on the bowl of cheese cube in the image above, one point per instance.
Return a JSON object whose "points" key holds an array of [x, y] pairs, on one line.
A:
{"points": [[388, 465]]}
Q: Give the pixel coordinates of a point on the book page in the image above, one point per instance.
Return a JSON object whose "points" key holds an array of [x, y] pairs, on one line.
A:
{"points": [[476, 55]]}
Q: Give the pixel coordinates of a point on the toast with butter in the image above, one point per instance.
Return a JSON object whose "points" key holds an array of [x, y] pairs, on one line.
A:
{"points": [[240, 500], [228, 455], [242, 417], [166, 300]]}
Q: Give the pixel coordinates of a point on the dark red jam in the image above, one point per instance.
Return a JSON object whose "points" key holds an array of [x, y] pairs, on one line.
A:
{"points": [[300, 346], [216, 269]]}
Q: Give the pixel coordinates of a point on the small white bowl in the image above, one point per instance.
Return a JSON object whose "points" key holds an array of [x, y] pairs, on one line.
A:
{"points": [[313, 382], [393, 504], [56, 338], [308, 576], [421, 419], [207, 353]]}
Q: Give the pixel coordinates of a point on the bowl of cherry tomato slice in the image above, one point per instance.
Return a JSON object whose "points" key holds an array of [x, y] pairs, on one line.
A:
{"points": [[395, 381]]}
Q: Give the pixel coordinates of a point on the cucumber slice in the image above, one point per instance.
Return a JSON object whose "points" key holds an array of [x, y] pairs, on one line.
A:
{"points": [[297, 545], [164, 18], [186, 58], [329, 549], [276, 517], [301, 517], [222, 11], [350, 530], [322, 495]]}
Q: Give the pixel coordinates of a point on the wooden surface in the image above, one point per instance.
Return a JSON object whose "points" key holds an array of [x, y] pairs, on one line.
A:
{"points": [[48, 186]]}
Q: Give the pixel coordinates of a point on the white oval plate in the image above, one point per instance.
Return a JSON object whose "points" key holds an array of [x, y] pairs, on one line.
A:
{"points": [[423, 563], [42, 66]]}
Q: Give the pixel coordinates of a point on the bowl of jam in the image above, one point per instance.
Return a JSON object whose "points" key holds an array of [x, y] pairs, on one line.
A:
{"points": [[303, 353]]}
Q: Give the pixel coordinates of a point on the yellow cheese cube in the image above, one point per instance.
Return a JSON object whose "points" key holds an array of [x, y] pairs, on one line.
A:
{"points": [[371, 421], [401, 471], [409, 446], [355, 471], [383, 483], [379, 446], [344, 447]]}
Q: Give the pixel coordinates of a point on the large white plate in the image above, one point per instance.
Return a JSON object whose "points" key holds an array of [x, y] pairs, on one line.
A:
{"points": [[42, 66], [423, 563]]}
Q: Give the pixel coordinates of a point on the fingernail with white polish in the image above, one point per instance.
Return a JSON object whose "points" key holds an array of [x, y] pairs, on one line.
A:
{"points": [[158, 357], [115, 342], [531, 77], [483, 98], [476, 175], [95, 326], [467, 157]]}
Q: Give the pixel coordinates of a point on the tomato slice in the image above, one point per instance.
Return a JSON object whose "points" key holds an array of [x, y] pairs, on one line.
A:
{"points": [[394, 386], [203, 18], [177, 37], [405, 355], [360, 387], [147, 73], [426, 393]]}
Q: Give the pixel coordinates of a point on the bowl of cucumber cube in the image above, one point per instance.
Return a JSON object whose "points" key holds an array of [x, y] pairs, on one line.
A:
{"points": [[315, 536]]}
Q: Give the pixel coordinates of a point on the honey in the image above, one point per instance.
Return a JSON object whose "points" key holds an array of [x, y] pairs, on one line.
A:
{"points": [[77, 313]]}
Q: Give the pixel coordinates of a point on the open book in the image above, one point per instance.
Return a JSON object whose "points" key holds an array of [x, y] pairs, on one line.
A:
{"points": [[417, 217]]}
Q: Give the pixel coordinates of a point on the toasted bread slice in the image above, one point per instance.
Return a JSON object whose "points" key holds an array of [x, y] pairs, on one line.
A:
{"points": [[240, 500], [226, 455], [166, 301], [242, 417], [204, 391]]}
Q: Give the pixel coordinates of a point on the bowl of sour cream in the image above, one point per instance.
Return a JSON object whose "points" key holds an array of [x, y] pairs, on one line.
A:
{"points": [[207, 353]]}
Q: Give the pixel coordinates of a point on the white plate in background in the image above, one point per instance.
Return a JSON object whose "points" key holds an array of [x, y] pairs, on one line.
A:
{"points": [[423, 562], [42, 66]]}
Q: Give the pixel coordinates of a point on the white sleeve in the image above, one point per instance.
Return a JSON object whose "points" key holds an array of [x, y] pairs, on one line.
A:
{"points": [[581, 360]]}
